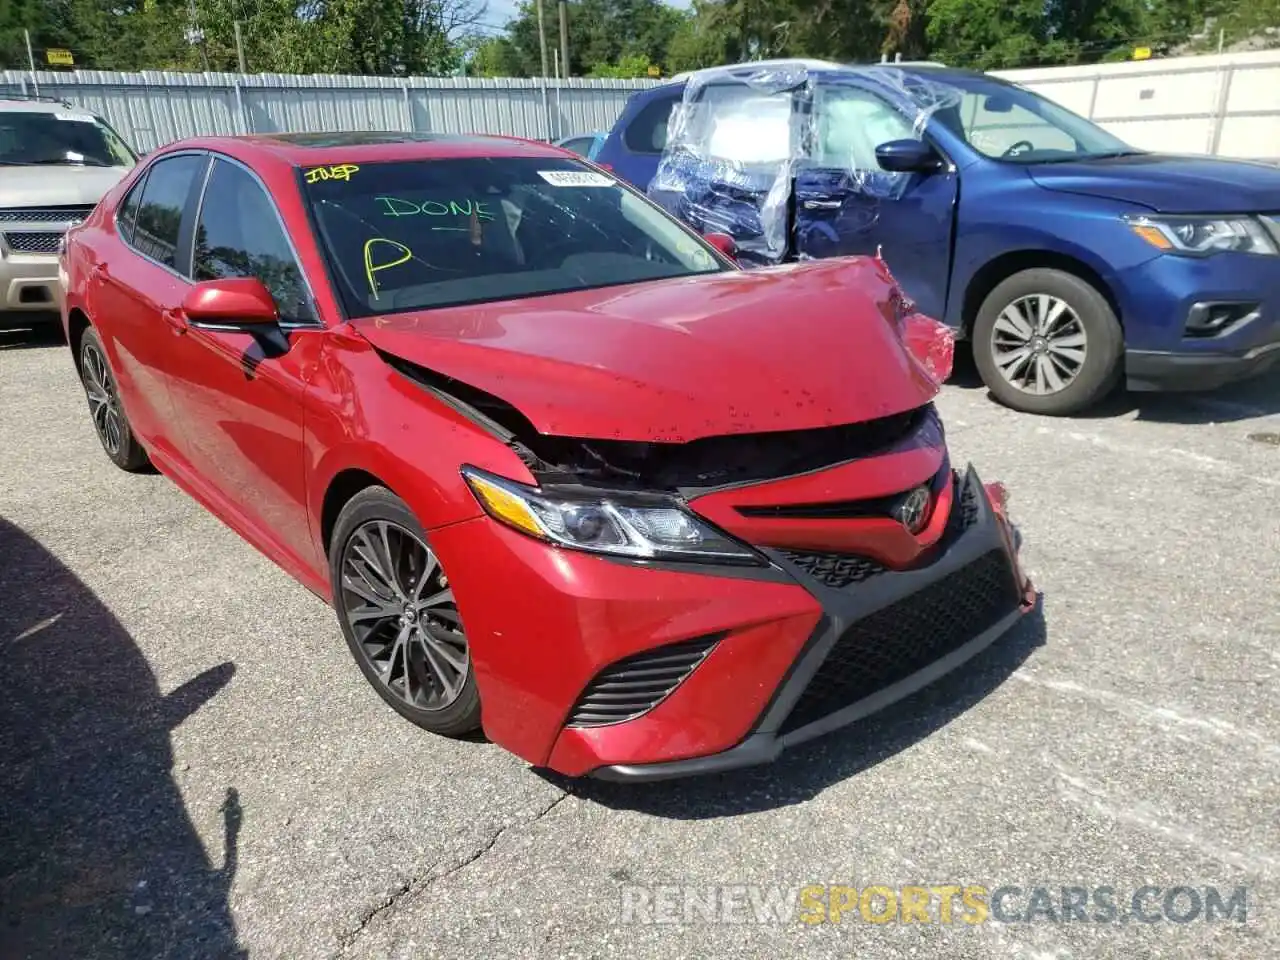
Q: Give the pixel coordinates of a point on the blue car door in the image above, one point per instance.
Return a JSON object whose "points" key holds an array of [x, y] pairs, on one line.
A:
{"points": [[845, 204]]}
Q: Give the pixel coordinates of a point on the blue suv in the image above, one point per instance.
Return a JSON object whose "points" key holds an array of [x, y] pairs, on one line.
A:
{"points": [[1072, 261]]}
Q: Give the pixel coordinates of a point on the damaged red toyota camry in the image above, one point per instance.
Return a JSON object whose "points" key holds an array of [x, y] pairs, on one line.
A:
{"points": [[564, 471]]}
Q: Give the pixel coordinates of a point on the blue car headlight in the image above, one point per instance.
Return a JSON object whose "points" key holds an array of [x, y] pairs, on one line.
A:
{"points": [[1202, 236]]}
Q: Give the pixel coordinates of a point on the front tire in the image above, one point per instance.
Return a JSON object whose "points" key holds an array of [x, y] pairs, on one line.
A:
{"points": [[398, 614], [1046, 341], [109, 419]]}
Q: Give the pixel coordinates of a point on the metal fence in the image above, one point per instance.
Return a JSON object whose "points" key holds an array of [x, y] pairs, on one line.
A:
{"points": [[1222, 104], [152, 109], [1227, 104]]}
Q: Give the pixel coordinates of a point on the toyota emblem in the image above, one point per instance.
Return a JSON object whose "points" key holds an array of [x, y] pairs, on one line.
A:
{"points": [[913, 510]]}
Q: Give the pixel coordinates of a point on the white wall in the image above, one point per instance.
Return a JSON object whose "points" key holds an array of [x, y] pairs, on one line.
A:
{"points": [[1225, 104]]}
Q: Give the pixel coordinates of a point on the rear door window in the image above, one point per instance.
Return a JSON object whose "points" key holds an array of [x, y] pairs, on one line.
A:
{"points": [[647, 133], [158, 226], [129, 209]]}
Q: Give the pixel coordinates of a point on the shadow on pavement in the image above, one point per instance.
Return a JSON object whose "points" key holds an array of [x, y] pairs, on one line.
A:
{"points": [[45, 335], [97, 855], [1246, 400], [805, 771]]}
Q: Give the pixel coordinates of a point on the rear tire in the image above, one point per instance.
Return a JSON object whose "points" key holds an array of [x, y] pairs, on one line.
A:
{"points": [[110, 421], [1047, 342], [397, 612]]}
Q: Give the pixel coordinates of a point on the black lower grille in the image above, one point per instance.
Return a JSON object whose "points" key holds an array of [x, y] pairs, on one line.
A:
{"points": [[626, 689], [33, 242], [837, 570], [896, 641]]}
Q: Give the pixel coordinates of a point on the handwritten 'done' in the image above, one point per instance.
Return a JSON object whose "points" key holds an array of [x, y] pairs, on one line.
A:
{"points": [[397, 207]]}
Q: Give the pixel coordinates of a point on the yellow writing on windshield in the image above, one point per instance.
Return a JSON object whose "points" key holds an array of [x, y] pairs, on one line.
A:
{"points": [[398, 207], [341, 171], [373, 265]]}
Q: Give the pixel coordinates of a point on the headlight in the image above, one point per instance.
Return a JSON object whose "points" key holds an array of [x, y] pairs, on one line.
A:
{"points": [[1201, 236], [637, 526]]}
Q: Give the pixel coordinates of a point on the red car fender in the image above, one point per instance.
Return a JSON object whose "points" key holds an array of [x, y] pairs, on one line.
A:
{"points": [[384, 442]]}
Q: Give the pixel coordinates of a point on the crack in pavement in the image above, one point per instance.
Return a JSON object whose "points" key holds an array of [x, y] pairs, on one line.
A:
{"points": [[415, 885]]}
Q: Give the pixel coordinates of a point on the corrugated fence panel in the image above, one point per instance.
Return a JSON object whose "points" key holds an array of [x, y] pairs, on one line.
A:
{"points": [[1227, 104], [1224, 104], [151, 109]]}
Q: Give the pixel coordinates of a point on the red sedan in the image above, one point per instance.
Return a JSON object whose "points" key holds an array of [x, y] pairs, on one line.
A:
{"points": [[563, 470]]}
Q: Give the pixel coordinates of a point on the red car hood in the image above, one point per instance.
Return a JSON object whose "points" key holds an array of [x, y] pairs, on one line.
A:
{"points": [[783, 348]]}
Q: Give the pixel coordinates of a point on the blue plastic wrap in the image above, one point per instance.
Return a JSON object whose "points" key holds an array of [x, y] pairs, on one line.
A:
{"points": [[741, 134]]}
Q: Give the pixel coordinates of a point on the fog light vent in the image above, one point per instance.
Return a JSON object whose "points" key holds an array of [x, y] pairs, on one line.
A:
{"points": [[628, 688], [1213, 319]]}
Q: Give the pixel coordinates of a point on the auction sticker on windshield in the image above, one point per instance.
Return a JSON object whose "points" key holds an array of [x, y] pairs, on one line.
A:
{"points": [[74, 117], [574, 178]]}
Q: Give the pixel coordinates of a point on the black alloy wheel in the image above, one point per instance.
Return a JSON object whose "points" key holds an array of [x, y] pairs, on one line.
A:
{"points": [[109, 419], [399, 615]]}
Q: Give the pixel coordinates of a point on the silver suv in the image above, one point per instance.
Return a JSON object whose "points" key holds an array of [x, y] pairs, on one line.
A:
{"points": [[56, 162]]}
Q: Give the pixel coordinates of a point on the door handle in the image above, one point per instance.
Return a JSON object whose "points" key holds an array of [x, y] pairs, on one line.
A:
{"points": [[822, 204], [176, 321]]}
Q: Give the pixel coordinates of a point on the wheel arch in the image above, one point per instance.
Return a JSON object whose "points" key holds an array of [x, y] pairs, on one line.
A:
{"points": [[77, 324], [995, 271], [344, 486]]}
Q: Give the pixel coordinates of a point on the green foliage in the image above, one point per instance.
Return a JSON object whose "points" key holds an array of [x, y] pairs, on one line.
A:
{"points": [[617, 38], [284, 36], [631, 65]]}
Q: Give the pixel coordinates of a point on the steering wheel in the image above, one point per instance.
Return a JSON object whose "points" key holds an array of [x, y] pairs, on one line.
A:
{"points": [[1019, 148]]}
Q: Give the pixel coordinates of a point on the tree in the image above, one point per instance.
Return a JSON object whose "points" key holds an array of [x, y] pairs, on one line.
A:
{"points": [[601, 33]]}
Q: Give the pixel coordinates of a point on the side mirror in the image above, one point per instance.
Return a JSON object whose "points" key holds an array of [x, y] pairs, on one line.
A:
{"points": [[907, 156], [236, 305], [724, 243]]}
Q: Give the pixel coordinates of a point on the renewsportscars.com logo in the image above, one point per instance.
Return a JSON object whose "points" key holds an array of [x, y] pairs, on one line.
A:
{"points": [[947, 903]]}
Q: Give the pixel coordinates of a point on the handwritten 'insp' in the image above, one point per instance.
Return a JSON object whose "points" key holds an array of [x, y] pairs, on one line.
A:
{"points": [[342, 171]]}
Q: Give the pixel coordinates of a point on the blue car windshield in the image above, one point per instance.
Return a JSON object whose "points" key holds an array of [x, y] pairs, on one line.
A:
{"points": [[1014, 125]]}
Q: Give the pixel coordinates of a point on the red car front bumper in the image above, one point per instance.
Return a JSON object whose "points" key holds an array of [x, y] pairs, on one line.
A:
{"points": [[588, 665]]}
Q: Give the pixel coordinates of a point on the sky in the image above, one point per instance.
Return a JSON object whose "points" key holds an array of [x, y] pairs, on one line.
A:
{"points": [[500, 11]]}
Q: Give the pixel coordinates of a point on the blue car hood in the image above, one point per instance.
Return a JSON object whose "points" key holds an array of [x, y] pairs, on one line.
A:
{"points": [[1167, 183]]}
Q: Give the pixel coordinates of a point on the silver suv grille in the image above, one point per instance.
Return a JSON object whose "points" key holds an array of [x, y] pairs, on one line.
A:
{"points": [[65, 214], [31, 242]]}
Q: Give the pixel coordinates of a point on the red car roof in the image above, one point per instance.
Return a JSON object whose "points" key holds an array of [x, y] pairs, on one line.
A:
{"points": [[317, 149]]}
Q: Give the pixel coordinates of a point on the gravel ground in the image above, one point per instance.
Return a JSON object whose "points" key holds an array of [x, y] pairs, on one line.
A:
{"points": [[190, 765]]}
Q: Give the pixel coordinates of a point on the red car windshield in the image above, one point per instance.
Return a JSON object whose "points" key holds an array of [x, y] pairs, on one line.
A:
{"points": [[403, 236]]}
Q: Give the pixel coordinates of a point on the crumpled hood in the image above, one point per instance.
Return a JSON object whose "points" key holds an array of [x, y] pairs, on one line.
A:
{"points": [[56, 186], [1169, 184], [782, 348]]}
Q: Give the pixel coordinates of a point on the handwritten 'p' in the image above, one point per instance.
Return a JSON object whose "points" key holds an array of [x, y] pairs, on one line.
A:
{"points": [[372, 266]]}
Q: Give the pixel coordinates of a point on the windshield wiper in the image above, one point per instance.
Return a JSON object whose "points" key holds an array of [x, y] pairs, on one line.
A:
{"points": [[1128, 152]]}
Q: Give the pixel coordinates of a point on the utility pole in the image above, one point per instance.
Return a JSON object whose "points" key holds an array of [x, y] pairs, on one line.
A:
{"points": [[564, 38], [542, 38], [239, 47], [31, 60]]}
